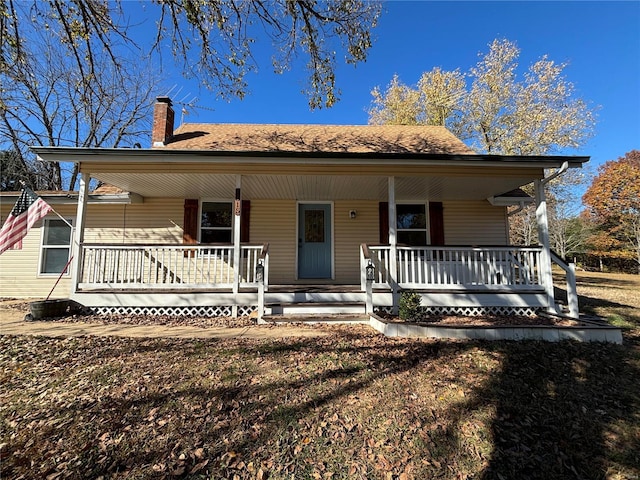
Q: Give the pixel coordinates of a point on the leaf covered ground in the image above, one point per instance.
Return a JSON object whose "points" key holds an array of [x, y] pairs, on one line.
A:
{"points": [[352, 404]]}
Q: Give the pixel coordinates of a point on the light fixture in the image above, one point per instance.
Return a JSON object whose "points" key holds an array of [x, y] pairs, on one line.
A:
{"points": [[352, 214], [370, 272], [260, 272]]}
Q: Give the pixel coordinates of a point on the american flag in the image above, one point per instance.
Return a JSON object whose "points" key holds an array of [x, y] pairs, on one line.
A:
{"points": [[28, 210]]}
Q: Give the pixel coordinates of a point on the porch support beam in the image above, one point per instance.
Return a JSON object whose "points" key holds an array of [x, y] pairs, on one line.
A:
{"points": [[78, 240], [393, 242], [237, 262], [543, 239]]}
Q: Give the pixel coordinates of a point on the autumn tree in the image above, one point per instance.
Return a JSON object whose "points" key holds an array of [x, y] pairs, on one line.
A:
{"points": [[55, 99], [613, 202], [498, 112], [437, 100], [491, 107], [211, 40], [72, 75]]}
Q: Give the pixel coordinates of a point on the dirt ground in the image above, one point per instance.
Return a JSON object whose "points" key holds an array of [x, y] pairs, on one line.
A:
{"points": [[12, 322]]}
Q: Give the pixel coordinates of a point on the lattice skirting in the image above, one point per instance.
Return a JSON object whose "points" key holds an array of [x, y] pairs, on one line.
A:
{"points": [[471, 311], [194, 311]]}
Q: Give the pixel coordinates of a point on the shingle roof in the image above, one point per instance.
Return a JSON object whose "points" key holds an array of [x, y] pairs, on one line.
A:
{"points": [[316, 138]]}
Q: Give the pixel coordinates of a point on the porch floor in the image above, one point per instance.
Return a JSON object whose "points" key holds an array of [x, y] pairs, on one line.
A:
{"points": [[290, 288]]}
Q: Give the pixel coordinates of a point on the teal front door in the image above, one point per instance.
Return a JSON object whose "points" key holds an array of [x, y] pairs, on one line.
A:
{"points": [[314, 240]]}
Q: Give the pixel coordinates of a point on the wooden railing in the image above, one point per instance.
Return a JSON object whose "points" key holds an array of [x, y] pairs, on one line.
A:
{"points": [[457, 267], [168, 266], [570, 278]]}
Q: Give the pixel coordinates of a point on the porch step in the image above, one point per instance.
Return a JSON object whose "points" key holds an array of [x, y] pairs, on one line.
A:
{"points": [[316, 318], [316, 308]]}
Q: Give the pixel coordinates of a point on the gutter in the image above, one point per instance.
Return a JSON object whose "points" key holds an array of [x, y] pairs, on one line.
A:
{"points": [[155, 156], [72, 199], [563, 168]]}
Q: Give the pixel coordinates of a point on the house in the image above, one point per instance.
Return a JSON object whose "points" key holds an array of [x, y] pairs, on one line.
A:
{"points": [[220, 219]]}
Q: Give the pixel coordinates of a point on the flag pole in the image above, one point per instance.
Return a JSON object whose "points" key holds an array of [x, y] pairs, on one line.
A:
{"points": [[52, 209], [59, 277]]}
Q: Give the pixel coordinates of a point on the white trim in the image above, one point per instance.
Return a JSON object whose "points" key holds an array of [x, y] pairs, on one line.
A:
{"points": [[214, 200], [42, 247], [154, 156], [333, 233], [426, 216]]}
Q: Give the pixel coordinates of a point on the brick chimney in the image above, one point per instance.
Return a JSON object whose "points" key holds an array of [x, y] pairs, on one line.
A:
{"points": [[162, 122]]}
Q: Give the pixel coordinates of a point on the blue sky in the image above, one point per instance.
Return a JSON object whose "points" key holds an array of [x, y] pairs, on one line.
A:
{"points": [[599, 40]]}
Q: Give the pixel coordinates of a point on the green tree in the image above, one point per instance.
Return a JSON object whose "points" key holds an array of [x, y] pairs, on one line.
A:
{"points": [[613, 201]]}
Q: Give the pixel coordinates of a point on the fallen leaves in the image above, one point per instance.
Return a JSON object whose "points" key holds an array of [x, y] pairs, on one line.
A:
{"points": [[350, 405]]}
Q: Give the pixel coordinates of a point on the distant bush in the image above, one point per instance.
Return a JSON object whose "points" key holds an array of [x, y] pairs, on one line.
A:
{"points": [[409, 306]]}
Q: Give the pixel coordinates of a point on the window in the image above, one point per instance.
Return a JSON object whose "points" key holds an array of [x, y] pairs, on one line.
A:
{"points": [[56, 246], [411, 224], [216, 220]]}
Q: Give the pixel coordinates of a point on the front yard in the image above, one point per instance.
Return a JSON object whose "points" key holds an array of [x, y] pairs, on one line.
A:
{"points": [[352, 404]]}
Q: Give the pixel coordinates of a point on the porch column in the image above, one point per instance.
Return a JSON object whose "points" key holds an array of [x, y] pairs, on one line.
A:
{"points": [[237, 261], [543, 238], [78, 236], [393, 243]]}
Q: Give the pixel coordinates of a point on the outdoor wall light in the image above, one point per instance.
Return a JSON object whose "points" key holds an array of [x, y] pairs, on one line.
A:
{"points": [[352, 214]]}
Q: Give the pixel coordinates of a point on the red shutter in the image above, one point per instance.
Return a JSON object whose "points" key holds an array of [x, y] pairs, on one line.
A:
{"points": [[436, 223], [383, 208], [190, 225], [245, 221]]}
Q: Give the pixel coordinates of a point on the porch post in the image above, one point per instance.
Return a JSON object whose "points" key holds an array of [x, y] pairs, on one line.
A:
{"points": [[237, 261], [393, 243], [78, 237], [543, 239]]}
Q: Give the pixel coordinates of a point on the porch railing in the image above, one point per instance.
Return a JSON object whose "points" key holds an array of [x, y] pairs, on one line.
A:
{"points": [[168, 266], [457, 267]]}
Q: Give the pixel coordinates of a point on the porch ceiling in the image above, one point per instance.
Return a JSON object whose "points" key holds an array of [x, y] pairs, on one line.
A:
{"points": [[313, 187]]}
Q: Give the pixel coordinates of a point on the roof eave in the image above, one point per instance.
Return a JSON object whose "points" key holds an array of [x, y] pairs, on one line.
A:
{"points": [[156, 155], [71, 198]]}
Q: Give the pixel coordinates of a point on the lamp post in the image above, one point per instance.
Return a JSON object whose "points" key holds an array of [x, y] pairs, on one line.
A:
{"points": [[260, 280], [370, 271], [260, 272]]}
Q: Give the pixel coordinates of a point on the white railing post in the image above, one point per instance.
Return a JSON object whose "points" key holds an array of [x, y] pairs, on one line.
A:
{"points": [[237, 262], [393, 242], [368, 275], [78, 237], [262, 278], [363, 279], [572, 292], [543, 238]]}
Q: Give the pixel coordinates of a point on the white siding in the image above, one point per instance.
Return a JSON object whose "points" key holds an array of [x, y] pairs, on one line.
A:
{"points": [[274, 222], [474, 223], [154, 221], [350, 233], [159, 220], [19, 276]]}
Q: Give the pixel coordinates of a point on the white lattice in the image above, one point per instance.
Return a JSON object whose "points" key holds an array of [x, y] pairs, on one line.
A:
{"points": [[193, 311], [471, 311], [246, 310]]}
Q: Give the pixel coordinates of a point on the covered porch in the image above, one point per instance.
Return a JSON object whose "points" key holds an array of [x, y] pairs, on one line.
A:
{"points": [[237, 278], [207, 280]]}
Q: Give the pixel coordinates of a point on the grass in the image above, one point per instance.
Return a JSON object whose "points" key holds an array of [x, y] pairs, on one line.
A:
{"points": [[350, 405]]}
